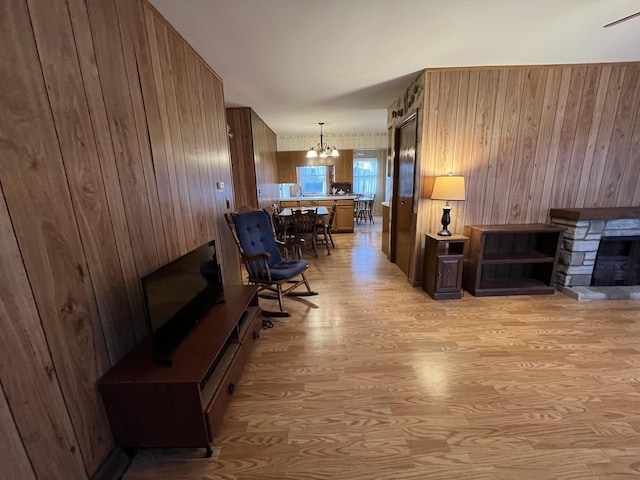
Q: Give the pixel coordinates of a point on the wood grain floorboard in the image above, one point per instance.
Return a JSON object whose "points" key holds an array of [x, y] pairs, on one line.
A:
{"points": [[372, 379]]}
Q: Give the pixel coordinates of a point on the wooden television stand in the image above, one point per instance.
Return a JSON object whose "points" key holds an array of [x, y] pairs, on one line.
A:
{"points": [[151, 405]]}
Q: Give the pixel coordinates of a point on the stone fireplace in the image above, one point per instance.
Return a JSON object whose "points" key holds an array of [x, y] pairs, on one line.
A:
{"points": [[613, 231], [617, 262]]}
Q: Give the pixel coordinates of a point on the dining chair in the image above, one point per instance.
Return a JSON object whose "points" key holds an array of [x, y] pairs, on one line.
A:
{"points": [[369, 207], [324, 228], [364, 209], [284, 232], [355, 206], [305, 224]]}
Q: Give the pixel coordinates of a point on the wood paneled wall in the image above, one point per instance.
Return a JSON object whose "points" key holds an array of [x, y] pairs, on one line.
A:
{"points": [[242, 162], [265, 153], [288, 161], [112, 137], [254, 158], [528, 139]]}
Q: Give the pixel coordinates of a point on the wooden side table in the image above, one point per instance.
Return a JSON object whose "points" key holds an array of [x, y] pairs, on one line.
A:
{"points": [[443, 261]]}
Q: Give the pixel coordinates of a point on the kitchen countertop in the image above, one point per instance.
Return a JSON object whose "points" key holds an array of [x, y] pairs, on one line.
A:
{"points": [[319, 197]]}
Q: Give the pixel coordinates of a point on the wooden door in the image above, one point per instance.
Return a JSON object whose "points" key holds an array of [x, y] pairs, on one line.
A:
{"points": [[404, 168], [449, 273]]}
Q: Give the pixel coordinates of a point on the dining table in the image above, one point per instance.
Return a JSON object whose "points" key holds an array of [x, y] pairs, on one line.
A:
{"points": [[288, 212], [287, 220]]}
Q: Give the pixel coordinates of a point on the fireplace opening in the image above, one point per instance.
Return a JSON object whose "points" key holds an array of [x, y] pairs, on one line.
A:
{"points": [[617, 262]]}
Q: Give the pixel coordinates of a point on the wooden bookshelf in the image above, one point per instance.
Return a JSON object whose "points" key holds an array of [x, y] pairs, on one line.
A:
{"points": [[511, 259]]}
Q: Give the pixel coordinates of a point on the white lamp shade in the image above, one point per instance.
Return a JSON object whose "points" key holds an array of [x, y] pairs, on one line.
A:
{"points": [[448, 187]]}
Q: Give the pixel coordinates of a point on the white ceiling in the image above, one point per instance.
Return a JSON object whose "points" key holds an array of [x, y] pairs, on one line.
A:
{"points": [[300, 62]]}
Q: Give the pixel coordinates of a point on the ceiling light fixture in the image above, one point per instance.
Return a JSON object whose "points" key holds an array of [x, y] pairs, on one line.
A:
{"points": [[322, 150]]}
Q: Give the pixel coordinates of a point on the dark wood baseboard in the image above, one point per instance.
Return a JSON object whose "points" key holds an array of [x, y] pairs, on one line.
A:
{"points": [[114, 466]]}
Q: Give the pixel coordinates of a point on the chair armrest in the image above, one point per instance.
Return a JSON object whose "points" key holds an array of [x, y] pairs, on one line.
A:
{"points": [[252, 258], [290, 242], [257, 266]]}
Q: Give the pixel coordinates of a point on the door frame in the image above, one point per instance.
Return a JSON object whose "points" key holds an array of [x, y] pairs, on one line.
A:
{"points": [[396, 180]]}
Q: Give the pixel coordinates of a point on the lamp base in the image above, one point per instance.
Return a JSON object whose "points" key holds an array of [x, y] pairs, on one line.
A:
{"points": [[446, 220]]}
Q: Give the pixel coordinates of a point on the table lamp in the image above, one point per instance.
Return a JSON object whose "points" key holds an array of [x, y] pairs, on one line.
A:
{"points": [[447, 187]]}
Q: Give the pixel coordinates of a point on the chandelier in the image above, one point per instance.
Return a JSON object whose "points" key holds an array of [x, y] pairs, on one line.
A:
{"points": [[322, 150]]}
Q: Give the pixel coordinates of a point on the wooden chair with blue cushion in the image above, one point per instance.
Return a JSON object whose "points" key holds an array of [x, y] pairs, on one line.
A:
{"points": [[261, 254]]}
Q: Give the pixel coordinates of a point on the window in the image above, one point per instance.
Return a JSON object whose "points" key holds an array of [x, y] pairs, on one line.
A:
{"points": [[313, 179], [365, 175]]}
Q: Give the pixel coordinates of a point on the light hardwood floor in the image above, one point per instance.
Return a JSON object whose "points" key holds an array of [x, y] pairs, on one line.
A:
{"points": [[373, 379]]}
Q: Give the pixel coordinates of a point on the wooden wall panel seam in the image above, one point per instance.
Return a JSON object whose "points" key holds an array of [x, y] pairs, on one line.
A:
{"points": [[104, 145], [84, 180], [542, 149], [625, 119], [616, 142], [206, 207], [508, 146], [558, 122], [172, 210], [14, 462], [603, 81], [527, 141], [208, 153], [634, 164], [50, 242], [467, 129], [29, 379], [244, 155], [113, 78], [131, 24], [159, 17], [188, 139], [481, 140], [605, 132], [459, 148], [230, 263], [145, 43], [568, 134], [171, 84], [578, 149], [221, 170], [425, 159], [494, 151]]}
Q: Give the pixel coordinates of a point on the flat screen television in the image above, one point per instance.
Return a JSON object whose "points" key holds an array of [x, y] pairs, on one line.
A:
{"points": [[178, 295]]}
